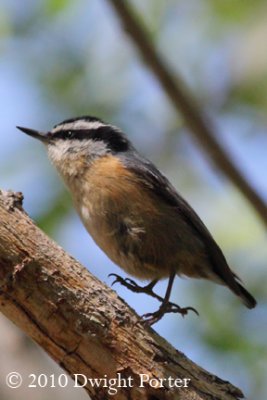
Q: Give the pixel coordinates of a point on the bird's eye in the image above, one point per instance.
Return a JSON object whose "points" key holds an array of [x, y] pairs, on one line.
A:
{"points": [[69, 134]]}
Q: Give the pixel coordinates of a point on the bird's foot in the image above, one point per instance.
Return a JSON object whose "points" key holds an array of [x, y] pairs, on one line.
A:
{"points": [[152, 318], [126, 282], [166, 306], [132, 285]]}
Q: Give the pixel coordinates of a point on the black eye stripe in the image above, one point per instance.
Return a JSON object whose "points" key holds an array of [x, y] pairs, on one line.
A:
{"points": [[115, 140], [65, 134], [78, 134]]}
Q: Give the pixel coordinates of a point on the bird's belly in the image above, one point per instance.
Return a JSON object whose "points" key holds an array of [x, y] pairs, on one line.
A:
{"points": [[145, 247], [106, 237]]}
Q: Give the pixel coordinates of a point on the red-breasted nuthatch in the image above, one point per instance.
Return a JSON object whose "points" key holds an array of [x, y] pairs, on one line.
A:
{"points": [[133, 212]]}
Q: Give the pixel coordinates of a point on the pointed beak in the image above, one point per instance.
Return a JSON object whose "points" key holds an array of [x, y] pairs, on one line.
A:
{"points": [[43, 137]]}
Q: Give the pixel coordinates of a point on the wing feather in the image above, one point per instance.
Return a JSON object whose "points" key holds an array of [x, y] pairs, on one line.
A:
{"points": [[153, 180]]}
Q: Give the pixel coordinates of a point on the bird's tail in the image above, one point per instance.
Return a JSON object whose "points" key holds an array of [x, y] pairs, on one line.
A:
{"points": [[245, 296], [227, 277]]}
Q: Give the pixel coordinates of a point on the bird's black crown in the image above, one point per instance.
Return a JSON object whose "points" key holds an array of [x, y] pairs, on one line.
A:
{"points": [[87, 118], [91, 128]]}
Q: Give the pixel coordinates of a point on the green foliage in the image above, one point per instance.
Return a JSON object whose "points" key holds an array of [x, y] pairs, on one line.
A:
{"points": [[250, 93], [5, 25], [84, 63], [50, 220], [235, 11], [54, 7]]}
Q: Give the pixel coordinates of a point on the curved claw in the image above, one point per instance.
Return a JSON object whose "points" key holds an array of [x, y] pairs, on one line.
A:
{"points": [[152, 318], [117, 279], [127, 282], [193, 309], [181, 310], [165, 308], [112, 274]]}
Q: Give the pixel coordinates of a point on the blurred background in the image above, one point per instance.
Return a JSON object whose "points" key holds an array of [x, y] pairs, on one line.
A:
{"points": [[61, 59]]}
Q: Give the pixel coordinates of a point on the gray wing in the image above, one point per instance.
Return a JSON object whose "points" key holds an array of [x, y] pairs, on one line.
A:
{"points": [[153, 180]]}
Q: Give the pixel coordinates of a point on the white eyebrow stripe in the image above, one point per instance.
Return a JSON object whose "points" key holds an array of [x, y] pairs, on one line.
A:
{"points": [[81, 124]]}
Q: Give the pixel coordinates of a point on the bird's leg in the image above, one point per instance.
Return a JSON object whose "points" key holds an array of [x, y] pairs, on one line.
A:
{"points": [[132, 285], [166, 307]]}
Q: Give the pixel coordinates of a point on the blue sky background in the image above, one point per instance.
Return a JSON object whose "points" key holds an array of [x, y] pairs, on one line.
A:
{"points": [[61, 59]]}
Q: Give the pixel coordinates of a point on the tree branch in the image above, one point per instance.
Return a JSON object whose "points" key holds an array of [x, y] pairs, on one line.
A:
{"points": [[82, 323], [185, 103]]}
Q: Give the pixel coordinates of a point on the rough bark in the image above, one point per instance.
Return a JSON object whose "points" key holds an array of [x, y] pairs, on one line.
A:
{"points": [[81, 323]]}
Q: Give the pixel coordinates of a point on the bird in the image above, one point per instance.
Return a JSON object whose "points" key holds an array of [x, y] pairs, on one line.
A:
{"points": [[133, 212]]}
